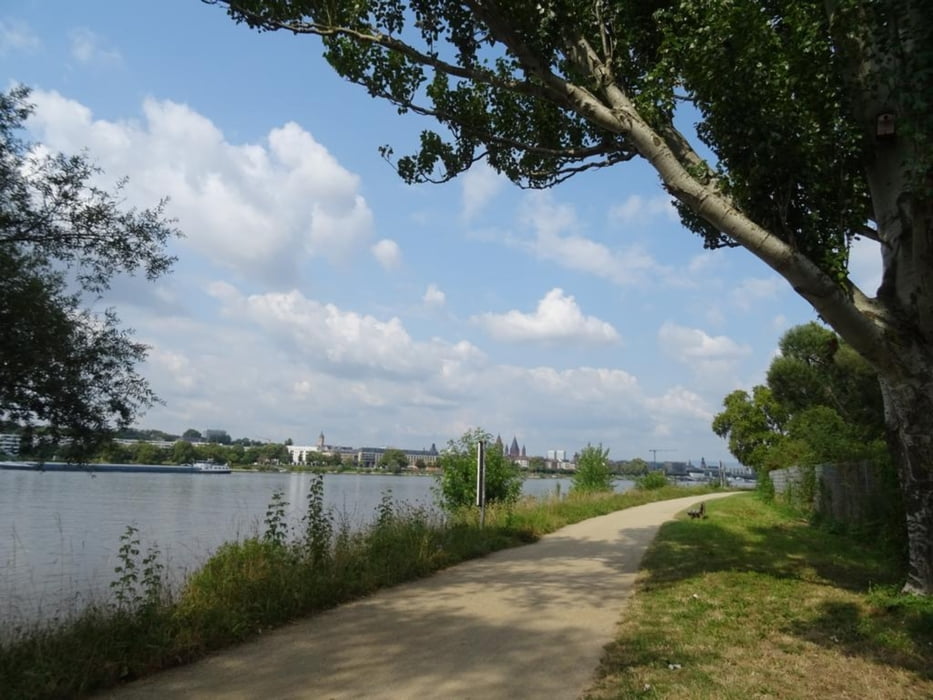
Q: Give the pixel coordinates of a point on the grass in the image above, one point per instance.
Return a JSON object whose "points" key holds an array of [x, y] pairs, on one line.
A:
{"points": [[265, 581], [753, 602]]}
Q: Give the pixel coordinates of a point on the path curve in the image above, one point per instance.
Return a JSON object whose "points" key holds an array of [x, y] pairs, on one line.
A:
{"points": [[527, 622]]}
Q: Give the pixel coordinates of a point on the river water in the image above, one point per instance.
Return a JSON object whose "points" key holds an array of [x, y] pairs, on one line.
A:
{"points": [[60, 532]]}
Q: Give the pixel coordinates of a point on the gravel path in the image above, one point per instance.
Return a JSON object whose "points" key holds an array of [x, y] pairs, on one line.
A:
{"points": [[528, 622]]}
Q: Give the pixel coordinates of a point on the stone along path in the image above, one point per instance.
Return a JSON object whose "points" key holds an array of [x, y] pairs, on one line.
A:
{"points": [[528, 622]]}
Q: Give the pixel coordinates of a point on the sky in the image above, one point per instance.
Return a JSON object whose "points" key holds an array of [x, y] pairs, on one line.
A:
{"points": [[316, 292]]}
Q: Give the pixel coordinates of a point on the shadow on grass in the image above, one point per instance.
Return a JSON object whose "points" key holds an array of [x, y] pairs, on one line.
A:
{"points": [[741, 535], [847, 627], [783, 549]]}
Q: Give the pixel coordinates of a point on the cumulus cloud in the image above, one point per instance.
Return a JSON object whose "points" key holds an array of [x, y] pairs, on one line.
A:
{"points": [[480, 185], [387, 253], [678, 402], [345, 342], [392, 386], [639, 209], [557, 318], [17, 36], [692, 344], [714, 361], [257, 208], [434, 297], [550, 222]]}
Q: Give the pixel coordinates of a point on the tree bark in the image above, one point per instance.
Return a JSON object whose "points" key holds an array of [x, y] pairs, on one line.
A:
{"points": [[909, 417]]}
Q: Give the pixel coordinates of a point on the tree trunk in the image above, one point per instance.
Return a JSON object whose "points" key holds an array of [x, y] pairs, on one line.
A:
{"points": [[909, 416]]}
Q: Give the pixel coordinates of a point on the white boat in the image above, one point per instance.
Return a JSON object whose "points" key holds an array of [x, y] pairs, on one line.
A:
{"points": [[210, 468]]}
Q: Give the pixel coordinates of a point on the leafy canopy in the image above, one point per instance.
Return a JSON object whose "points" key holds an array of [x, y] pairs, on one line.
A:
{"points": [[822, 403], [529, 86], [64, 368]]}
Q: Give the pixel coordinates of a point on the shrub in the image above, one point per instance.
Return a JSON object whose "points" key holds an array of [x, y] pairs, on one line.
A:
{"points": [[593, 473], [651, 481], [457, 479]]}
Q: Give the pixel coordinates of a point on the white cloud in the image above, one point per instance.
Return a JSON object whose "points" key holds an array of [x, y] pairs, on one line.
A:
{"points": [[259, 209], [87, 48], [557, 317], [387, 253], [638, 209], [480, 185], [17, 36], [341, 342], [434, 296], [624, 266], [679, 402], [692, 344]]}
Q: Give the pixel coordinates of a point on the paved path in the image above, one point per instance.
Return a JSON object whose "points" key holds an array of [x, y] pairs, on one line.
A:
{"points": [[528, 622]]}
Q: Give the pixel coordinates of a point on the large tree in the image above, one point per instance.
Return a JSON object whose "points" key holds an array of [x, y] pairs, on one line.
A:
{"points": [[822, 404], [67, 371], [818, 115]]}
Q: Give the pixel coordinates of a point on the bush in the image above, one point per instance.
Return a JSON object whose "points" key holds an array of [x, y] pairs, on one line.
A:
{"points": [[457, 479], [593, 473], [651, 481]]}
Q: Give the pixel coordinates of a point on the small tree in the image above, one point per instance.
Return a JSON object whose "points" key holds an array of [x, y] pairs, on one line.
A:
{"points": [[637, 466], [394, 460], [593, 472], [457, 478]]}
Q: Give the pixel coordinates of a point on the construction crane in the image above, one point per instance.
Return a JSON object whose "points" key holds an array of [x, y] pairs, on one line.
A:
{"points": [[654, 456]]}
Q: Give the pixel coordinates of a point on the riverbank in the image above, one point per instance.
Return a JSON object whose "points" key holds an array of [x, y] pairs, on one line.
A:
{"points": [[249, 587]]}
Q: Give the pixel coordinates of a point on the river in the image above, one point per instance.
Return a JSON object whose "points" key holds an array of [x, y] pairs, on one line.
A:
{"points": [[60, 532]]}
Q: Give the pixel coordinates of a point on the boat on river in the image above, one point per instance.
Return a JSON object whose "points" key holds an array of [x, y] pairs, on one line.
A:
{"points": [[194, 468]]}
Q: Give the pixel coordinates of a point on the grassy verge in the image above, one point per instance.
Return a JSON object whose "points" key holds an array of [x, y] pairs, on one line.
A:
{"points": [[264, 582], [754, 603]]}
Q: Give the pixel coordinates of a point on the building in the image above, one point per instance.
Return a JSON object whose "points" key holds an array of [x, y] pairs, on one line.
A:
{"points": [[9, 443], [366, 457]]}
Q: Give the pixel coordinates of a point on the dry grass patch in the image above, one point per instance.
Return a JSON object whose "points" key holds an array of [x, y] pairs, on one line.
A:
{"points": [[751, 603]]}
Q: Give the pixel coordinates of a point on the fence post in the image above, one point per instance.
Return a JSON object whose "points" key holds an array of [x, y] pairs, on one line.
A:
{"points": [[481, 481]]}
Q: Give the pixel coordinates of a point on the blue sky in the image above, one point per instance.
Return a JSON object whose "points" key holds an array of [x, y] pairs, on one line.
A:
{"points": [[315, 291]]}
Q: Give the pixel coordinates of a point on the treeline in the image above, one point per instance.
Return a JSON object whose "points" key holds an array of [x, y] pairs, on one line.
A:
{"points": [[266, 455]]}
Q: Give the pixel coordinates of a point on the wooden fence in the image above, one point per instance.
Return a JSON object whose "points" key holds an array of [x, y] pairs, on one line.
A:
{"points": [[849, 493]]}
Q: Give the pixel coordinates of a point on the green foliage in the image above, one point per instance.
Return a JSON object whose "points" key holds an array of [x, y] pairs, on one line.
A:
{"points": [[822, 404], [457, 478], [276, 531], [318, 524], [593, 472], [752, 424], [139, 587], [651, 481], [636, 466], [394, 460], [65, 367]]}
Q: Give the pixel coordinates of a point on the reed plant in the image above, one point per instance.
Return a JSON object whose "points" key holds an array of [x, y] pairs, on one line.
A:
{"points": [[277, 575]]}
